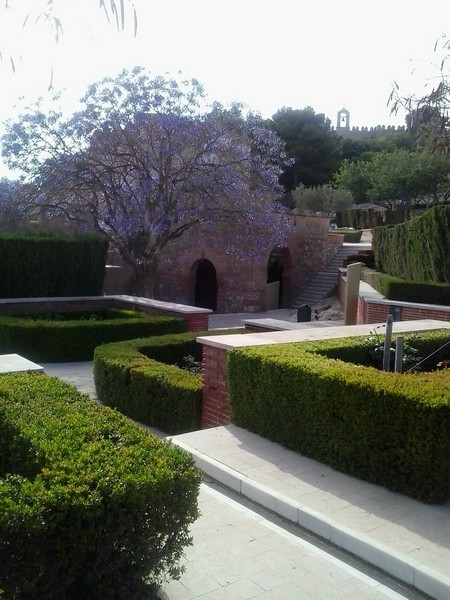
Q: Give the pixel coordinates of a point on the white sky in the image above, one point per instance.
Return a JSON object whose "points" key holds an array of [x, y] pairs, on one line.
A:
{"points": [[267, 54]]}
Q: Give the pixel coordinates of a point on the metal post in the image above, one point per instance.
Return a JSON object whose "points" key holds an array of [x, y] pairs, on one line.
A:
{"points": [[399, 354], [387, 343]]}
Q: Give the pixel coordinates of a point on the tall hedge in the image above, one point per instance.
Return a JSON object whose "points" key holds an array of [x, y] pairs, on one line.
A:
{"points": [[416, 250], [49, 265]]}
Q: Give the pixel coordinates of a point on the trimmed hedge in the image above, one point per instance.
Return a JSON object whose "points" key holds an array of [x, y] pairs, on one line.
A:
{"points": [[76, 340], [91, 506], [50, 265], [388, 428], [351, 236], [395, 288], [416, 250], [128, 377], [143, 379]]}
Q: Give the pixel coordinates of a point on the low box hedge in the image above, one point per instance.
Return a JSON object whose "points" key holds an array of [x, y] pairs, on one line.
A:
{"points": [[144, 379], [351, 236], [388, 428], [91, 506], [74, 339], [395, 288], [153, 391]]}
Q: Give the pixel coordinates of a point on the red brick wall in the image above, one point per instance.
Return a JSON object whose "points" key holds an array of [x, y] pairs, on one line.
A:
{"points": [[374, 312], [241, 283], [197, 322], [215, 405]]}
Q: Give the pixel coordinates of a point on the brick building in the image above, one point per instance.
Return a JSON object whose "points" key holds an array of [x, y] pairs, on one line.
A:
{"points": [[200, 272]]}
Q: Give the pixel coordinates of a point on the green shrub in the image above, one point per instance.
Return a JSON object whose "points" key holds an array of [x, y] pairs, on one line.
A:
{"points": [[159, 394], [351, 236], [388, 428], [395, 288], [50, 265], [91, 506], [417, 249], [75, 340], [148, 379]]}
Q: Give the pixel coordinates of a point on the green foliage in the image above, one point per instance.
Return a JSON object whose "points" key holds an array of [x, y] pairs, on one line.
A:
{"points": [[50, 265], [46, 340], [386, 177], [311, 142], [388, 428], [147, 380], [322, 198], [359, 219], [394, 288], [375, 344], [416, 250], [191, 364], [91, 506], [351, 236], [141, 378]]}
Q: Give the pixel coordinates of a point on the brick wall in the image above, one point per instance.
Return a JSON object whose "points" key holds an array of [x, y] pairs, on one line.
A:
{"points": [[197, 322], [373, 311], [241, 282], [215, 404]]}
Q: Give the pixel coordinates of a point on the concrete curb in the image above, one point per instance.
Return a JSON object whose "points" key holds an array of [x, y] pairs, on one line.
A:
{"points": [[404, 569]]}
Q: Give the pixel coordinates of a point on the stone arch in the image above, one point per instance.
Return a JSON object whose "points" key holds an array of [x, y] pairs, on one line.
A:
{"points": [[279, 267], [205, 284]]}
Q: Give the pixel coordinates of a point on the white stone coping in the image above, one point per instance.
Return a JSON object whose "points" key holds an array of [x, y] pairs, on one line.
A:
{"points": [[133, 300], [279, 325], [160, 305], [14, 363], [370, 295], [241, 340]]}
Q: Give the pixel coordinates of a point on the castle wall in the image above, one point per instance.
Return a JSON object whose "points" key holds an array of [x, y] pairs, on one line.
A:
{"points": [[368, 133]]}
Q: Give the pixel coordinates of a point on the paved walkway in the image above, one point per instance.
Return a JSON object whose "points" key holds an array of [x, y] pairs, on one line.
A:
{"points": [[403, 537], [240, 552]]}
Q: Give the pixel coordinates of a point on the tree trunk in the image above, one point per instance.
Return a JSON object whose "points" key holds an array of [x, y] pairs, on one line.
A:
{"points": [[149, 278]]}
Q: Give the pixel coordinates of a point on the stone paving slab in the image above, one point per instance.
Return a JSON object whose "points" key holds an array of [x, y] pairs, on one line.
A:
{"points": [[401, 536]]}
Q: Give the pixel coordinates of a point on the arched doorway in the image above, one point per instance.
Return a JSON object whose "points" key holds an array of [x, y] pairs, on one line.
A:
{"points": [[278, 278], [206, 285]]}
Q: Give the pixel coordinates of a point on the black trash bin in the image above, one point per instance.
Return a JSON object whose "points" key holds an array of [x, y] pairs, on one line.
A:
{"points": [[303, 313]]}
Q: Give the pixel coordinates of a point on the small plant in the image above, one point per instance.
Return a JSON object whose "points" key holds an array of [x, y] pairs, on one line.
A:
{"points": [[375, 350], [189, 363]]}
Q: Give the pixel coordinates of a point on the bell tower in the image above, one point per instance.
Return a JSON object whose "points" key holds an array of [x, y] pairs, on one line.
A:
{"points": [[343, 120]]}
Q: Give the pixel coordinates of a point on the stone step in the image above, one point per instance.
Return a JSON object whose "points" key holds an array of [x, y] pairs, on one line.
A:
{"points": [[324, 283]]}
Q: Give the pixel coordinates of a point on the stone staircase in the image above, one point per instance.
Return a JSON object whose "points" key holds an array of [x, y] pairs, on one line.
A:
{"points": [[325, 282]]}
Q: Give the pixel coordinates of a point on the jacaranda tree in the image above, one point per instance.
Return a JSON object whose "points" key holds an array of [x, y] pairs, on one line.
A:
{"points": [[11, 206], [145, 160]]}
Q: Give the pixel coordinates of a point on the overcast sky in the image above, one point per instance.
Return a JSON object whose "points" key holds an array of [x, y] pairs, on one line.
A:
{"points": [[327, 54]]}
